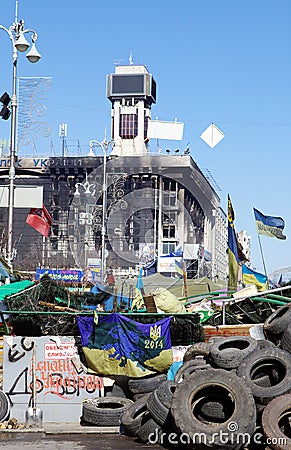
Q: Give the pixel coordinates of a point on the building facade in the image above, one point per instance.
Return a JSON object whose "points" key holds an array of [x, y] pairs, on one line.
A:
{"points": [[159, 207]]}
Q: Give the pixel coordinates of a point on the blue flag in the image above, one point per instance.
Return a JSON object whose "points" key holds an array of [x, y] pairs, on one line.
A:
{"points": [[233, 254], [269, 226], [117, 345], [139, 282]]}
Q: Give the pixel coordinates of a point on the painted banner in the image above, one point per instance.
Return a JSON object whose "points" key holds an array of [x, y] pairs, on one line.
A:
{"points": [[117, 345], [67, 276]]}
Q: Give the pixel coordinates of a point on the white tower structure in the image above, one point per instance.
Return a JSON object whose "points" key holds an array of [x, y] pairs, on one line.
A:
{"points": [[132, 91]]}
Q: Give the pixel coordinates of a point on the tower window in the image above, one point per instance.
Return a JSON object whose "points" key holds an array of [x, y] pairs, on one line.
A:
{"points": [[128, 126]]}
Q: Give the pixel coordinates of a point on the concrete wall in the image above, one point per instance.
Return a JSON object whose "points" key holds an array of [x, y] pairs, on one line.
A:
{"points": [[60, 387]]}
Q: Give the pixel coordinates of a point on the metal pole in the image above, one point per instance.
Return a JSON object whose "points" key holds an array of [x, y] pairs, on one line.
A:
{"points": [[16, 34], [160, 210], [261, 250], [223, 312], [155, 219], [12, 162], [104, 146]]}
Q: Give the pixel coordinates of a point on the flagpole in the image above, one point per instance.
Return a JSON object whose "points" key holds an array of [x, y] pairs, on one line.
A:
{"points": [[185, 280], [43, 251], [261, 249]]}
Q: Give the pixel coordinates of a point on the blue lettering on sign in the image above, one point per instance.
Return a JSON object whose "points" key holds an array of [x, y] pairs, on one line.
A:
{"points": [[3, 163], [62, 275], [40, 162]]}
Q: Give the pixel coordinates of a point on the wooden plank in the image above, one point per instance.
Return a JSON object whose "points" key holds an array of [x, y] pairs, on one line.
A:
{"points": [[57, 307], [227, 330]]}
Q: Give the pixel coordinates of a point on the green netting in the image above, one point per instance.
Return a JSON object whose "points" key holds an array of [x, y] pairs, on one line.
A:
{"points": [[14, 288]]}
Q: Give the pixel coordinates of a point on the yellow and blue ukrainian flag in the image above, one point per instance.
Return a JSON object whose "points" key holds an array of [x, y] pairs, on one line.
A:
{"points": [[179, 266], [249, 276], [269, 226], [138, 302], [233, 257]]}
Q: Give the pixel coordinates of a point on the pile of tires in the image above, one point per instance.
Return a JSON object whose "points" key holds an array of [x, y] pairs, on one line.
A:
{"points": [[233, 393], [107, 411], [149, 418]]}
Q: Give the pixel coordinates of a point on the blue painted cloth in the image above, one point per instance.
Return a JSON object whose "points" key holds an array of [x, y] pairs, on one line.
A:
{"points": [[117, 345]]}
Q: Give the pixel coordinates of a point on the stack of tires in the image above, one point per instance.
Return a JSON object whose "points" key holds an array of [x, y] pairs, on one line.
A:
{"points": [[107, 411], [149, 418], [233, 393], [144, 417]]}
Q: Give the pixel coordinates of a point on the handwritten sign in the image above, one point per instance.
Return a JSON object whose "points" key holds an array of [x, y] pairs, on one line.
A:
{"points": [[66, 350], [60, 386]]}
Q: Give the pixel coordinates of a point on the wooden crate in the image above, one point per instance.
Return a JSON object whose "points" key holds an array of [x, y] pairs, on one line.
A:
{"points": [[150, 303]]}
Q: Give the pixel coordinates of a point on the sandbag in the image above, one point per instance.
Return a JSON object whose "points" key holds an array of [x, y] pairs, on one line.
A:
{"points": [[168, 302]]}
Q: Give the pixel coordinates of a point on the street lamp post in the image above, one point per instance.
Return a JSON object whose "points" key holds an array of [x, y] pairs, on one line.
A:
{"points": [[89, 191], [104, 145], [16, 33]]}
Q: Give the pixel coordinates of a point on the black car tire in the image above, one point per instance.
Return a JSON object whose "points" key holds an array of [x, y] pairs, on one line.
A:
{"points": [[165, 392], [286, 339], [276, 322], [4, 406], [240, 418], [158, 411], [272, 362], [149, 429], [227, 353], [147, 384], [131, 419], [198, 349], [189, 367], [104, 411], [275, 417]]}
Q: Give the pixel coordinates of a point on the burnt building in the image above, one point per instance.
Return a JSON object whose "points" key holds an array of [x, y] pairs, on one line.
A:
{"points": [[158, 206]]}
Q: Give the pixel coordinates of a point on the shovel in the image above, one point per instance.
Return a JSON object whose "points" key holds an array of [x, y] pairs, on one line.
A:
{"points": [[33, 415]]}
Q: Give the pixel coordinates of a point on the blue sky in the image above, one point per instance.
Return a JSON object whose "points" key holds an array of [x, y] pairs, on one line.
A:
{"points": [[226, 62]]}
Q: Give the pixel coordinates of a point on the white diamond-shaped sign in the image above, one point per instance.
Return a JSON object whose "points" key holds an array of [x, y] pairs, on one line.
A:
{"points": [[212, 135]]}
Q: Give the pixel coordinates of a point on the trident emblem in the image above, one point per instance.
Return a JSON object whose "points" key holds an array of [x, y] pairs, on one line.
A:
{"points": [[155, 332]]}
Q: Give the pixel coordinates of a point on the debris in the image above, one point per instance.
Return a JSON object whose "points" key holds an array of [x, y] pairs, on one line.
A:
{"points": [[10, 424]]}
